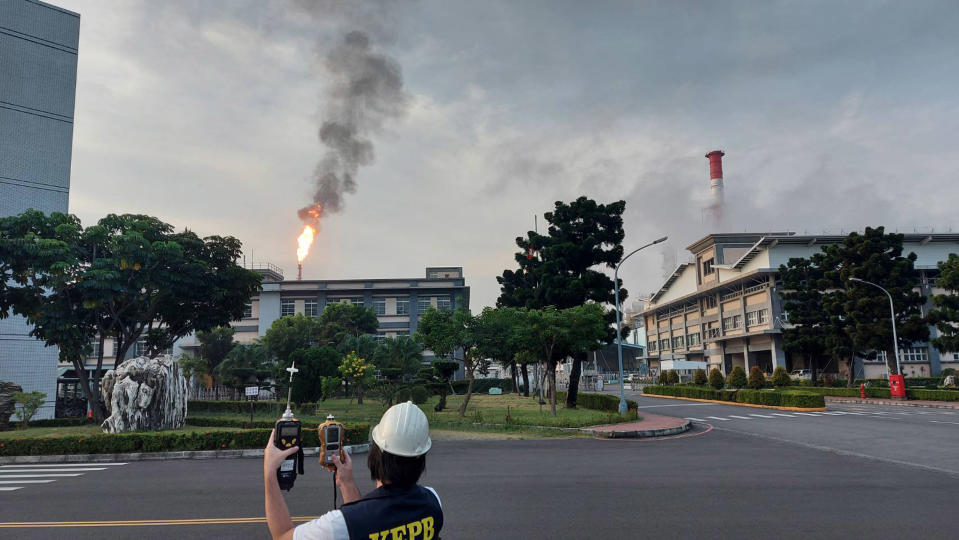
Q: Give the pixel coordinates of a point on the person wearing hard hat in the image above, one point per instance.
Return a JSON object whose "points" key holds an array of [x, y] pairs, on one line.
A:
{"points": [[397, 508]]}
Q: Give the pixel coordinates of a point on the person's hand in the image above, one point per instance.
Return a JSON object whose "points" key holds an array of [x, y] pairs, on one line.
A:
{"points": [[344, 469], [273, 457]]}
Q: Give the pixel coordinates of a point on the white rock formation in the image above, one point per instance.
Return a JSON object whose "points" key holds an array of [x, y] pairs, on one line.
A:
{"points": [[145, 394], [950, 381]]}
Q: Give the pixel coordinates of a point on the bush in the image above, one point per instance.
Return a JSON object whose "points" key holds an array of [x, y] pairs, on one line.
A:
{"points": [[737, 379], [777, 398], [62, 422], [672, 377], [598, 402], [357, 432], [419, 395], [663, 378], [403, 395], [716, 379], [781, 377], [482, 386], [699, 377], [933, 395], [757, 380], [27, 404], [161, 441]]}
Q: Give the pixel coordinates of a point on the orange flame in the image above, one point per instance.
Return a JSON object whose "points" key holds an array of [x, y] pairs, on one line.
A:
{"points": [[304, 242]]}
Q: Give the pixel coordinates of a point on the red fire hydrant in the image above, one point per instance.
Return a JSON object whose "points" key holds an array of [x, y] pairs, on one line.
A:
{"points": [[862, 390]]}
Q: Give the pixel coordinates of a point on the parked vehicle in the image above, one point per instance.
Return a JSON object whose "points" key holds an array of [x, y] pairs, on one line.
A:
{"points": [[799, 374]]}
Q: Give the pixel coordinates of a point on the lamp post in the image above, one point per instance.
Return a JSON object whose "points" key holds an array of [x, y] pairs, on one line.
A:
{"points": [[619, 324], [892, 313]]}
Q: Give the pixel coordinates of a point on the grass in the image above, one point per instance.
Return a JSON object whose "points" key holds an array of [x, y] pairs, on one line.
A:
{"points": [[89, 429]]}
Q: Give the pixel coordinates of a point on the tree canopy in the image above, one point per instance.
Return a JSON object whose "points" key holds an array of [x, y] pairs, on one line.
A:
{"points": [[946, 312]]}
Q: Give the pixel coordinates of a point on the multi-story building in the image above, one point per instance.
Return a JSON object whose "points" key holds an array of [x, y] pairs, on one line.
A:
{"points": [[722, 309], [38, 74]]}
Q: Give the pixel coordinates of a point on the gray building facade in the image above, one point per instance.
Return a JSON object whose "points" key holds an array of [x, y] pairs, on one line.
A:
{"points": [[38, 75]]}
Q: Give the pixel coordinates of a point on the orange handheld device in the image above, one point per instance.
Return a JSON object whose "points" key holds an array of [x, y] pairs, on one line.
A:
{"points": [[331, 442]]}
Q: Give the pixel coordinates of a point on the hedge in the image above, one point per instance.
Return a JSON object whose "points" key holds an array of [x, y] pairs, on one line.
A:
{"points": [[240, 407], [599, 402], [357, 432], [161, 441], [61, 422], [803, 400], [933, 395], [482, 386]]}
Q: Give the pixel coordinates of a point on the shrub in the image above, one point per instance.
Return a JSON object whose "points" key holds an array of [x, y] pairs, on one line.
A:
{"points": [[419, 395], [599, 402], [235, 407], [716, 379], [672, 377], [663, 378], [403, 395], [737, 379], [62, 422], [757, 380], [933, 395], [781, 377], [482, 386], [699, 377], [27, 405], [329, 386]]}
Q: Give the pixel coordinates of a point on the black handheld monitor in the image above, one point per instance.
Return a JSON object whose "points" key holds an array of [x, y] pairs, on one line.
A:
{"points": [[288, 435]]}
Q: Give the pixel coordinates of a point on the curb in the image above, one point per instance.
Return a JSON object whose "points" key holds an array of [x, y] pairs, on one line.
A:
{"points": [[158, 456], [753, 405], [642, 433], [836, 399]]}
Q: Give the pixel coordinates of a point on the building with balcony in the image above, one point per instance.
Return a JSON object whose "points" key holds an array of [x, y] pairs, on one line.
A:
{"points": [[722, 309]]}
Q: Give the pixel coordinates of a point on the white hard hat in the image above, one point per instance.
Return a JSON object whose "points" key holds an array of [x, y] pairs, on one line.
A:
{"points": [[403, 431]]}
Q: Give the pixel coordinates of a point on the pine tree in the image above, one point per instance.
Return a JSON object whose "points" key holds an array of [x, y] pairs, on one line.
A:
{"points": [[946, 312]]}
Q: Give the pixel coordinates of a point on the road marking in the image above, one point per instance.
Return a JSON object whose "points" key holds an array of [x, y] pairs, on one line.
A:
{"points": [[143, 523], [780, 414], [10, 488], [85, 469], [833, 413], [26, 481], [807, 413], [740, 417], [675, 405], [761, 416], [695, 419], [29, 465], [941, 422], [5, 476], [718, 418]]}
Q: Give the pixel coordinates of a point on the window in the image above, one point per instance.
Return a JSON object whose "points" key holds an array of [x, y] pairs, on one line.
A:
{"points": [[443, 303], [762, 316], [678, 342], [692, 339], [248, 310], [310, 308], [713, 333], [709, 302], [708, 267], [287, 307], [380, 336], [423, 304], [95, 347], [880, 357], [664, 344], [732, 323], [751, 317], [379, 306], [402, 306], [140, 347], [652, 345], [914, 354], [356, 301], [955, 356]]}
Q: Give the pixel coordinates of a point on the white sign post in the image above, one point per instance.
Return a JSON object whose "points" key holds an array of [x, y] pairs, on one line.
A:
{"points": [[252, 392]]}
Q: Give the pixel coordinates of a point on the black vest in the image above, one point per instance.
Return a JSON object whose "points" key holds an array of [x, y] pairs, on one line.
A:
{"points": [[414, 513]]}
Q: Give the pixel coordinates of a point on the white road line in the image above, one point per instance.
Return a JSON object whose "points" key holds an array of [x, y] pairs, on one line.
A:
{"points": [[718, 418], [740, 417], [780, 414], [941, 422], [10, 488], [807, 414], [833, 413], [761, 416], [658, 406], [34, 465], [6, 476], [85, 469], [26, 481], [695, 419]]}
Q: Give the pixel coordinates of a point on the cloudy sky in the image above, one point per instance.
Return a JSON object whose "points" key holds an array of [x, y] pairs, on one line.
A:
{"points": [[833, 115]]}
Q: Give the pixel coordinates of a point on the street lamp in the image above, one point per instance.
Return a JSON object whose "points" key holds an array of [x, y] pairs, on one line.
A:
{"points": [[619, 325], [892, 312]]}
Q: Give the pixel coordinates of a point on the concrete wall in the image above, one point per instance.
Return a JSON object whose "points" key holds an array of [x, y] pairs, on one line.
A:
{"points": [[38, 73]]}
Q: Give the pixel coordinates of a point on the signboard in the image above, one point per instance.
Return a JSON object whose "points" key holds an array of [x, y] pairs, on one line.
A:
{"points": [[252, 391]]}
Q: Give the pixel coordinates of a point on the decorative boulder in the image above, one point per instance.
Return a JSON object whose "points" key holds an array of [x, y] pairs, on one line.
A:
{"points": [[145, 394], [7, 390], [950, 381]]}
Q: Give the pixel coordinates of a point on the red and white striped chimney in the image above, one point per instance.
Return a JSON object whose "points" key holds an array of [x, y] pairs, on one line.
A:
{"points": [[716, 184]]}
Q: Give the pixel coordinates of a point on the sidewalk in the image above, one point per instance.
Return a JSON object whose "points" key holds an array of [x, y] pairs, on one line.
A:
{"points": [[652, 425], [896, 402]]}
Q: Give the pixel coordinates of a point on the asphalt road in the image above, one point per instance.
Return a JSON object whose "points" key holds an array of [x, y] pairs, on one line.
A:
{"points": [[731, 481]]}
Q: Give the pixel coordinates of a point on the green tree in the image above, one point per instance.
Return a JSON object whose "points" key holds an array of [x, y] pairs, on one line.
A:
{"points": [[446, 331], [314, 363], [699, 377], [364, 345], [358, 373], [126, 277], [737, 378], [330, 385], [443, 371], [559, 268], [672, 377], [245, 365], [341, 319], [757, 380], [290, 333], [401, 353], [215, 345], [27, 404], [716, 379], [781, 377], [946, 313], [495, 332]]}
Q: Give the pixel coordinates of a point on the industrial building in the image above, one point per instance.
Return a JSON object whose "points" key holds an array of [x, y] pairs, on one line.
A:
{"points": [[723, 309], [38, 75]]}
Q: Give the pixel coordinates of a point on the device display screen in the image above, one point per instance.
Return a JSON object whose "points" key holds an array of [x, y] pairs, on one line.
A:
{"points": [[332, 435], [289, 431]]}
